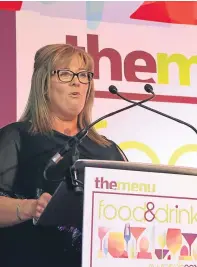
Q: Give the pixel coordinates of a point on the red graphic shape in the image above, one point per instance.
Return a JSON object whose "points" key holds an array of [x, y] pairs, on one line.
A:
{"points": [[11, 5], [161, 253], [169, 12], [184, 251], [124, 255]]}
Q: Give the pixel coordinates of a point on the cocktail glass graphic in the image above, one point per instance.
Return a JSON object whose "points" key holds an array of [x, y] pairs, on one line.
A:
{"points": [[174, 240], [136, 232], [190, 238]]}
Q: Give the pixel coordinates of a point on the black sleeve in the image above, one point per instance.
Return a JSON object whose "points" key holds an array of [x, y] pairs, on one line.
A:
{"points": [[122, 155], [9, 150]]}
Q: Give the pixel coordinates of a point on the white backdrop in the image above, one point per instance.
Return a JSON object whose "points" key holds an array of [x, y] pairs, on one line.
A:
{"points": [[144, 136]]}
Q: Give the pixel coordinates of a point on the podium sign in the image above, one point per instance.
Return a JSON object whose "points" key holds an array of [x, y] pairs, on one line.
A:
{"points": [[139, 218]]}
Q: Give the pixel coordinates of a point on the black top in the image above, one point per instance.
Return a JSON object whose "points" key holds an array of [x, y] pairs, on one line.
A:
{"points": [[23, 157]]}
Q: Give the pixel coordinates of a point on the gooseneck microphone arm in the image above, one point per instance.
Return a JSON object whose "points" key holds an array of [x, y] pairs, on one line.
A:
{"points": [[114, 91], [120, 110], [76, 140]]}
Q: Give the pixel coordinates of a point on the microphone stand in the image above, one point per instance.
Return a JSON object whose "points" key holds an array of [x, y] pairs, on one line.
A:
{"points": [[77, 184]]}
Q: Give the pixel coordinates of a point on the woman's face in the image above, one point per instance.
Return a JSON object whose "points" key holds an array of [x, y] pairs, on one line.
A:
{"points": [[67, 99]]}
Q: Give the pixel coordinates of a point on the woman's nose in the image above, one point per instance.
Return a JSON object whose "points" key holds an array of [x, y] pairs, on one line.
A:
{"points": [[75, 81]]}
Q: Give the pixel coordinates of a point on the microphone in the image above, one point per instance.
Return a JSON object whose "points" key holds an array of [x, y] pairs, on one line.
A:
{"points": [[148, 88], [77, 139]]}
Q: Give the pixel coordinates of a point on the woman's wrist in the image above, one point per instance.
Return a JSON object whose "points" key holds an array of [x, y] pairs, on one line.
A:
{"points": [[24, 209]]}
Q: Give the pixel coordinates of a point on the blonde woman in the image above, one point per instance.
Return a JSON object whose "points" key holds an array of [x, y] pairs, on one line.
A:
{"points": [[59, 105]]}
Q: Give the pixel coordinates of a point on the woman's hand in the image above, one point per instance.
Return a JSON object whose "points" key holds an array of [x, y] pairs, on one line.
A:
{"points": [[41, 204], [33, 208]]}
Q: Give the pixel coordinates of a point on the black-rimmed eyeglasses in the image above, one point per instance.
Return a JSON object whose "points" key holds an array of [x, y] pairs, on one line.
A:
{"points": [[67, 76]]}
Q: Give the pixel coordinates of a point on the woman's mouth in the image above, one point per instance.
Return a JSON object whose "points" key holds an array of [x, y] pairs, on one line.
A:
{"points": [[75, 94]]}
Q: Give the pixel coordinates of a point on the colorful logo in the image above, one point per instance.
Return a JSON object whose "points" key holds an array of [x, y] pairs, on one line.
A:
{"points": [[159, 64]]}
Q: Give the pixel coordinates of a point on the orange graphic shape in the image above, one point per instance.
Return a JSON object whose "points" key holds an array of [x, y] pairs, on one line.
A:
{"points": [[144, 244], [116, 244], [178, 12]]}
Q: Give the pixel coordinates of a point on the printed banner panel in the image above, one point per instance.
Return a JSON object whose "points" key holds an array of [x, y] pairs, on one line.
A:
{"points": [[134, 218]]}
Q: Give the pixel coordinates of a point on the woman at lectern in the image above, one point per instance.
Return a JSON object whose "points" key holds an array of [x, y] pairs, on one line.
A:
{"points": [[59, 105]]}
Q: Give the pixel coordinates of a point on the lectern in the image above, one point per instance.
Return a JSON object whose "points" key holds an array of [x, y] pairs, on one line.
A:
{"points": [[133, 214]]}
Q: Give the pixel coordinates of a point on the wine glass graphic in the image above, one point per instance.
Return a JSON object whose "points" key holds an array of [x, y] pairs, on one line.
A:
{"points": [[127, 235], [162, 243], [102, 231], [174, 240], [136, 232], [190, 238]]}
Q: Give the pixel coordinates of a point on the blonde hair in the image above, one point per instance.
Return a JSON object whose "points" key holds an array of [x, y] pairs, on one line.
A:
{"points": [[37, 110]]}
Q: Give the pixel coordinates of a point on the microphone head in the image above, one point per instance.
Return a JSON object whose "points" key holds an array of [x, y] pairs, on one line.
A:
{"points": [[113, 89], [148, 88]]}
